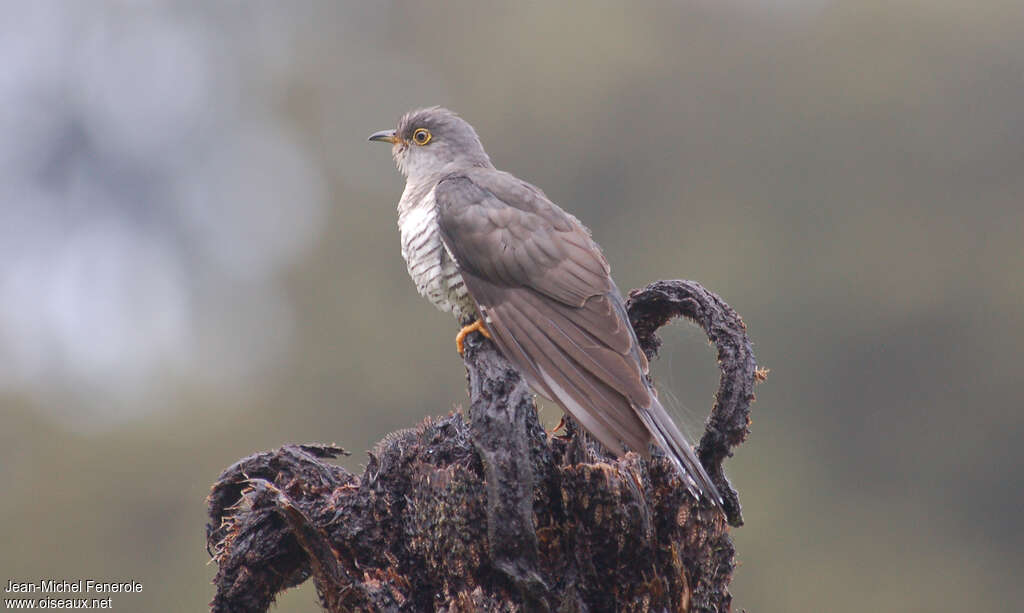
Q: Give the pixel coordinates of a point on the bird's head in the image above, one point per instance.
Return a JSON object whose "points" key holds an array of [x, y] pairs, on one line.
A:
{"points": [[433, 140]]}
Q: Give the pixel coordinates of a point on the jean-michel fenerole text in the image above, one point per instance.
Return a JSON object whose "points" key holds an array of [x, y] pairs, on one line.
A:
{"points": [[78, 586]]}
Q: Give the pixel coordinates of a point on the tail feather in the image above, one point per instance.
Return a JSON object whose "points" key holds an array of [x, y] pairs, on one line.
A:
{"points": [[674, 443]]}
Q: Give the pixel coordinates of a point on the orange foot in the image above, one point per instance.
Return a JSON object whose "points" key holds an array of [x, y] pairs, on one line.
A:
{"points": [[476, 326], [561, 424]]}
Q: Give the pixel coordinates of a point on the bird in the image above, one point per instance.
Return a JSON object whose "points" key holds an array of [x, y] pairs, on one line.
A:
{"points": [[509, 263]]}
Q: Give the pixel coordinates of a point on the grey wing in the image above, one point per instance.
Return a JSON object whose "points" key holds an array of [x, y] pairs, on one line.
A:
{"points": [[549, 302]]}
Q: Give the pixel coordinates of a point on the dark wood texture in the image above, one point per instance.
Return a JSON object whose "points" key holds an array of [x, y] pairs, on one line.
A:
{"points": [[489, 513]]}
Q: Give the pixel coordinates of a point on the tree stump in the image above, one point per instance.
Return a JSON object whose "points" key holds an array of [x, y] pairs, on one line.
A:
{"points": [[489, 513]]}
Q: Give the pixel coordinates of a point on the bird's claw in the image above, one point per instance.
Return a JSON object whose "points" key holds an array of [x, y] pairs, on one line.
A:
{"points": [[476, 326], [561, 425]]}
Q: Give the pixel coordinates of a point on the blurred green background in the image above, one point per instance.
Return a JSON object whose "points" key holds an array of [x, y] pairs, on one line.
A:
{"points": [[199, 260]]}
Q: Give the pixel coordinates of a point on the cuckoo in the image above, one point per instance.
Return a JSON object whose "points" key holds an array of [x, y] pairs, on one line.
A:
{"points": [[513, 266]]}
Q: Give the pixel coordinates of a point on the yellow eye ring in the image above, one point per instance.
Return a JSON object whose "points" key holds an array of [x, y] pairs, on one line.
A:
{"points": [[421, 136]]}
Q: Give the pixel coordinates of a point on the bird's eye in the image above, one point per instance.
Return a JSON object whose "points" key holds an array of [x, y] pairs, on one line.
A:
{"points": [[421, 136]]}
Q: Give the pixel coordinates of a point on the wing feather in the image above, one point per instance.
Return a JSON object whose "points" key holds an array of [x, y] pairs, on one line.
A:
{"points": [[548, 300], [604, 412], [584, 368]]}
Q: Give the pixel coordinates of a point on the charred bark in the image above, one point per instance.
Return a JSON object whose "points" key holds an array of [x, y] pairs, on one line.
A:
{"points": [[489, 513]]}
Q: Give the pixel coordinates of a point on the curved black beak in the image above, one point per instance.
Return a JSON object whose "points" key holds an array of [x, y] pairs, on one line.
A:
{"points": [[385, 136]]}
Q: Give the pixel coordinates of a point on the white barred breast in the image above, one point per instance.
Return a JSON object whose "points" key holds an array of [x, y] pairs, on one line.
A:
{"points": [[430, 265]]}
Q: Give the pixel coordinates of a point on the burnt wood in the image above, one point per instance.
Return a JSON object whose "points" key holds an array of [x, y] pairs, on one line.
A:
{"points": [[486, 512]]}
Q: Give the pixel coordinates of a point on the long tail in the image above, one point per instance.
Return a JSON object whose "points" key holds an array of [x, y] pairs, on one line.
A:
{"points": [[670, 439]]}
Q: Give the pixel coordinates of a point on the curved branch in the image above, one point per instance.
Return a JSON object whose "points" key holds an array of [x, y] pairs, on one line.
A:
{"points": [[729, 423], [491, 513]]}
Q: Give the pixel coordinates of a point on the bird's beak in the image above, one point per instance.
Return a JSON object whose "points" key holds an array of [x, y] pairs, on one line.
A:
{"points": [[384, 136]]}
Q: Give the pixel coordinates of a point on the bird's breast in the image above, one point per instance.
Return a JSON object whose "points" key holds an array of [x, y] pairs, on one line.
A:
{"points": [[431, 267]]}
